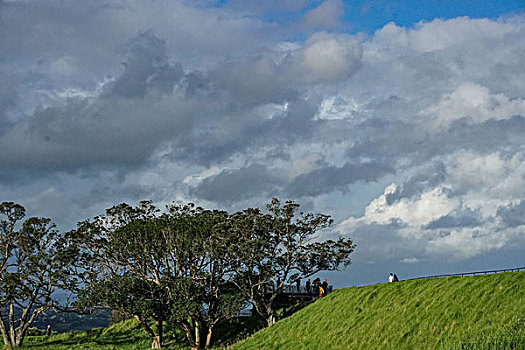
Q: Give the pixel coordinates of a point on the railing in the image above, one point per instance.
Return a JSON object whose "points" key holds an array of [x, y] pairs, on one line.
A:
{"points": [[292, 289], [471, 273]]}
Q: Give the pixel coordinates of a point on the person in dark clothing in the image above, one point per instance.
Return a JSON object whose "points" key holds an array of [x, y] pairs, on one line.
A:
{"points": [[395, 278], [316, 285], [325, 287], [298, 284], [308, 285]]}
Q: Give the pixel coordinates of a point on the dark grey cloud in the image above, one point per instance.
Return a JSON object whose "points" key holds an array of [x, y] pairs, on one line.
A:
{"points": [[120, 127], [235, 185], [466, 218], [481, 137], [330, 178], [232, 186], [147, 67], [512, 215], [109, 192], [215, 138], [93, 32], [427, 178], [254, 81], [379, 138], [205, 116]]}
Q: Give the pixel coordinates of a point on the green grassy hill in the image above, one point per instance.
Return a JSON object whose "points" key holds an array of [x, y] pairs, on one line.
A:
{"points": [[478, 312]]}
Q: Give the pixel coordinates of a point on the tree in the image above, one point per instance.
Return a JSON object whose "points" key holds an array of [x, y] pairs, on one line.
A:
{"points": [[132, 297], [271, 251], [36, 261], [201, 262], [114, 272], [160, 266]]}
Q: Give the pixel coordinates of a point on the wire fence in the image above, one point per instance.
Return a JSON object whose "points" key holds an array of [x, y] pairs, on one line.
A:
{"points": [[471, 273]]}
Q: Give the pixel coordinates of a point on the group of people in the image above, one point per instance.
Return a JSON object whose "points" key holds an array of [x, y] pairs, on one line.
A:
{"points": [[316, 287], [393, 278]]}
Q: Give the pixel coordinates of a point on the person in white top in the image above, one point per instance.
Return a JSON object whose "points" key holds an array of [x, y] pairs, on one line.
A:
{"points": [[391, 278]]}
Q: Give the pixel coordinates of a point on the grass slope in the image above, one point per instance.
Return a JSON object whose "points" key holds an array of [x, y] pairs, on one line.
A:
{"points": [[478, 312], [129, 335], [125, 335]]}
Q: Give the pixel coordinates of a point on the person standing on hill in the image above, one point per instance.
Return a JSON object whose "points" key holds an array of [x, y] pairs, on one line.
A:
{"points": [[317, 285], [298, 284], [395, 278], [308, 284], [391, 278], [324, 285]]}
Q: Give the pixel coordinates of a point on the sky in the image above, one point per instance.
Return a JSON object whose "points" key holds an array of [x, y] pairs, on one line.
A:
{"points": [[403, 120]]}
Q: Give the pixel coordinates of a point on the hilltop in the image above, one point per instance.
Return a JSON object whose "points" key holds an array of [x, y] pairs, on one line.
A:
{"points": [[442, 313]]}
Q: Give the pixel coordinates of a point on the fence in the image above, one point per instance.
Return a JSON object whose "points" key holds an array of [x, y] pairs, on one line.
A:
{"points": [[472, 273]]}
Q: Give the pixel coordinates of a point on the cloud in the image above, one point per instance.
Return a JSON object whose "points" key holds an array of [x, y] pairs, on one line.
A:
{"points": [[456, 214], [474, 102], [329, 178], [512, 215], [146, 67], [413, 137], [328, 15], [410, 260], [230, 186], [326, 58], [468, 218], [460, 244], [262, 7], [234, 185], [103, 130]]}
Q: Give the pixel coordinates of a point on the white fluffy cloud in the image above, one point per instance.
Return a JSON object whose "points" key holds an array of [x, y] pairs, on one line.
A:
{"points": [[474, 102], [417, 212], [459, 217]]}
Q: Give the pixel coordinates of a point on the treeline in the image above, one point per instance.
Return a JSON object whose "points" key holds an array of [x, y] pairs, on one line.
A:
{"points": [[183, 266]]}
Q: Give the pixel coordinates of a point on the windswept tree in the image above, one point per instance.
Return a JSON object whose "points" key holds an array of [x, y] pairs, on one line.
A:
{"points": [[36, 261], [111, 276], [270, 251], [199, 261], [164, 267]]}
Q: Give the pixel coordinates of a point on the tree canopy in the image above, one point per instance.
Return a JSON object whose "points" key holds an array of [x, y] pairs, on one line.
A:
{"points": [[36, 261], [172, 259], [274, 249], [183, 265]]}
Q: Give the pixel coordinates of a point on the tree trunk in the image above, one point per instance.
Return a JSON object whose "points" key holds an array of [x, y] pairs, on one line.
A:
{"points": [[12, 334], [197, 328], [190, 336], [3, 329], [208, 337], [270, 319], [20, 336], [270, 316], [156, 339], [156, 342], [265, 310]]}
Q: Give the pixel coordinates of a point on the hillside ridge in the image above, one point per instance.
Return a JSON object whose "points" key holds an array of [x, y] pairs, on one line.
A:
{"points": [[423, 314]]}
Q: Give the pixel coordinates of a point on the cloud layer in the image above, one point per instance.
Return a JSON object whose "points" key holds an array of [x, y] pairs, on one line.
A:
{"points": [[209, 103]]}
